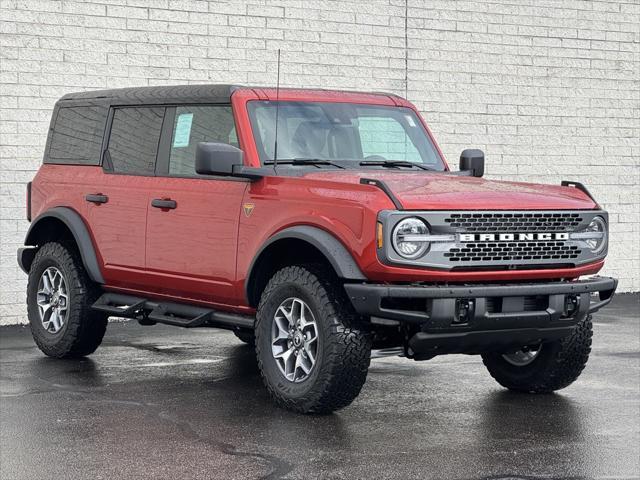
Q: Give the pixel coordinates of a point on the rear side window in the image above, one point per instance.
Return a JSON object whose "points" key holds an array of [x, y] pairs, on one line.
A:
{"points": [[195, 124], [133, 141], [77, 136]]}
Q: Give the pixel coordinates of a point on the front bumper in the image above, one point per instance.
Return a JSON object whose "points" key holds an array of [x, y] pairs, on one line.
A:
{"points": [[477, 318]]}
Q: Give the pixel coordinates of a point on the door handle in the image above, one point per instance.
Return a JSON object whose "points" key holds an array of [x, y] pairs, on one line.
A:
{"points": [[164, 203], [96, 198]]}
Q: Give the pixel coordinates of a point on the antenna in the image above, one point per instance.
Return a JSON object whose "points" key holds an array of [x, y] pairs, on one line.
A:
{"points": [[275, 143], [406, 48]]}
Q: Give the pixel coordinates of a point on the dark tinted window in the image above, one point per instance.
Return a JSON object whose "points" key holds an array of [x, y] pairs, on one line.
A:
{"points": [[77, 136], [133, 142], [195, 124]]}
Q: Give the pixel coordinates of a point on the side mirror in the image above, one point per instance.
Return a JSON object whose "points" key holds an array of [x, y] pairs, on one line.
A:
{"points": [[217, 158], [472, 161]]}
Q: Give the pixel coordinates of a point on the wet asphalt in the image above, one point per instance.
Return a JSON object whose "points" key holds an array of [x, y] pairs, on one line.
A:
{"points": [[164, 402]]}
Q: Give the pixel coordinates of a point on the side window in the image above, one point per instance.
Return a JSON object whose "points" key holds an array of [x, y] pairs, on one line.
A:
{"points": [[77, 136], [386, 137], [195, 124], [133, 142]]}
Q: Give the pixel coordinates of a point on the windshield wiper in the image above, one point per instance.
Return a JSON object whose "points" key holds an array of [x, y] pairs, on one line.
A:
{"points": [[394, 164], [304, 161]]}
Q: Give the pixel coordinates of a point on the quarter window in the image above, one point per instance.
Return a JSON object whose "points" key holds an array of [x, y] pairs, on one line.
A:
{"points": [[77, 136], [134, 138], [195, 124]]}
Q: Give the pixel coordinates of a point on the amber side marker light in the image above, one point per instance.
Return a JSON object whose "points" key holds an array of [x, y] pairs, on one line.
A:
{"points": [[379, 235]]}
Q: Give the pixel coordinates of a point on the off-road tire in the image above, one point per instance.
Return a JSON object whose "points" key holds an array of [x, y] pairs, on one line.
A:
{"points": [[557, 365], [84, 328], [344, 351], [246, 336]]}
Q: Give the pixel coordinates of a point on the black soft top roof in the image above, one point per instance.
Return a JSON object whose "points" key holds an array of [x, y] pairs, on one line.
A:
{"points": [[155, 95], [169, 94]]}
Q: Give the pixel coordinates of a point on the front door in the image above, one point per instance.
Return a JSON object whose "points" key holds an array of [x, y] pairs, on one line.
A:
{"points": [[192, 220]]}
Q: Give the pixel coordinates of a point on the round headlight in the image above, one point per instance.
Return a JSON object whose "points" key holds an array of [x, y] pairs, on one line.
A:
{"points": [[404, 238], [598, 242]]}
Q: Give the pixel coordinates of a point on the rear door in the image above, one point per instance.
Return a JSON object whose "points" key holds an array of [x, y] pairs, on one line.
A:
{"points": [[118, 205], [192, 225]]}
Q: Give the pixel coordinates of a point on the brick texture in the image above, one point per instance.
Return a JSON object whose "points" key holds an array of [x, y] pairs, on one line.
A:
{"points": [[549, 89]]}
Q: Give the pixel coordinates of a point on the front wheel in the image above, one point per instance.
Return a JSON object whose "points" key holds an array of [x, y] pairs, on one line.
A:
{"points": [[543, 368], [312, 352]]}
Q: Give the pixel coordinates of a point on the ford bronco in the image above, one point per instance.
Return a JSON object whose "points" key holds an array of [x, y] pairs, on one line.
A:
{"points": [[316, 225]]}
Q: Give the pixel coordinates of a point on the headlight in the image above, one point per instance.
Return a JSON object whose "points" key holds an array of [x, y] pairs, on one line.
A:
{"points": [[598, 230], [594, 236], [406, 238]]}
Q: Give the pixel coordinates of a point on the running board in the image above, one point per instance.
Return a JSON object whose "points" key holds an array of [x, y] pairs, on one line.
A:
{"points": [[177, 314]]}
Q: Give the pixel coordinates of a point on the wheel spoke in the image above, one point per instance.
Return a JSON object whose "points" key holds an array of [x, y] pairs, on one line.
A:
{"points": [[286, 314], [44, 308], [297, 309], [54, 320], [288, 359], [280, 337], [63, 299], [57, 280], [284, 355], [282, 324], [302, 363], [310, 354], [304, 322], [311, 335], [46, 282]]}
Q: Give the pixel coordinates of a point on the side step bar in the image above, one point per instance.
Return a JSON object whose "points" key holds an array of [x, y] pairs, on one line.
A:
{"points": [[180, 315]]}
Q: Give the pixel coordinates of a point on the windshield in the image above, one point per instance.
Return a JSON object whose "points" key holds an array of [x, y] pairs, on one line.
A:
{"points": [[341, 132]]}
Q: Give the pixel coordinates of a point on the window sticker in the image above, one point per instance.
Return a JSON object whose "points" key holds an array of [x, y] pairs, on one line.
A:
{"points": [[183, 130]]}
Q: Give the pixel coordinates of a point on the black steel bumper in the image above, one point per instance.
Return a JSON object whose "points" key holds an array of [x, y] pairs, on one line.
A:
{"points": [[476, 318]]}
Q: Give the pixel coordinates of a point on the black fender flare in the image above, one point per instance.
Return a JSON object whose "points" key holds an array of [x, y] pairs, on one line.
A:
{"points": [[80, 232], [333, 250]]}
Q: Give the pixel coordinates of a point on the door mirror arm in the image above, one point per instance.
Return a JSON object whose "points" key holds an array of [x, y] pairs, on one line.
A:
{"points": [[252, 173]]}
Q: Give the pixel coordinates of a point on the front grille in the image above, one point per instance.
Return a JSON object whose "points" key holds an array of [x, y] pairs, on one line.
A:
{"points": [[514, 222], [475, 240], [483, 251]]}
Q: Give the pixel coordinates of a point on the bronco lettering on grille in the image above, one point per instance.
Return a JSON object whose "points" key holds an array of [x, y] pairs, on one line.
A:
{"points": [[510, 237]]}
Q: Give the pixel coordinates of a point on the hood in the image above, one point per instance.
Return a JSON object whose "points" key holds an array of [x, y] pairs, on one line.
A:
{"points": [[437, 191]]}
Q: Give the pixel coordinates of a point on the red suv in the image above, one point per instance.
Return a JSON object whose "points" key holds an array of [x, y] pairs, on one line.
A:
{"points": [[316, 225]]}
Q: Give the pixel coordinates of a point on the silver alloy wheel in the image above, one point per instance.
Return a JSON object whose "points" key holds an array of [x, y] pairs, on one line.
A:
{"points": [[294, 339], [52, 299], [523, 357]]}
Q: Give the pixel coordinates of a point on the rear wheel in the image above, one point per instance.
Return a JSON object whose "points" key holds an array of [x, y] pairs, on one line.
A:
{"points": [[543, 368], [59, 299], [313, 354]]}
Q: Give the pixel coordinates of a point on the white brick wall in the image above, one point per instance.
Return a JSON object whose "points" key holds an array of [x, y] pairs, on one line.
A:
{"points": [[549, 89]]}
